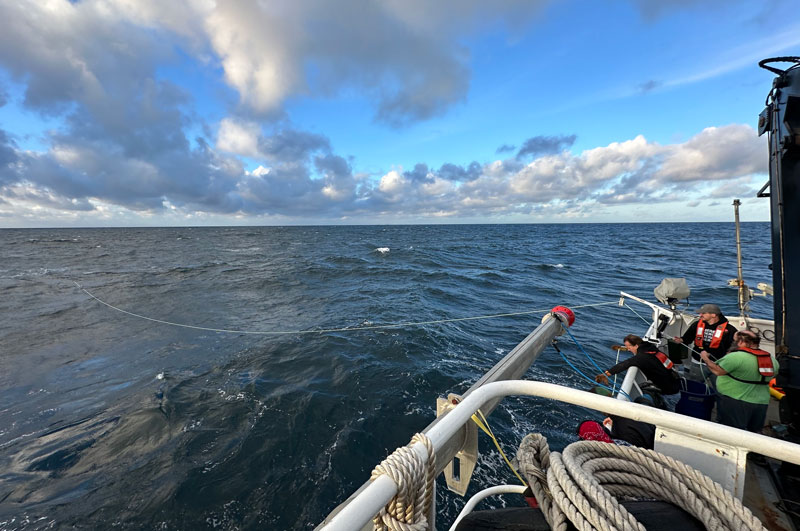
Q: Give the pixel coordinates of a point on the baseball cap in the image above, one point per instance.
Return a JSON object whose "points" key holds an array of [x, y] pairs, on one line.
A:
{"points": [[710, 308]]}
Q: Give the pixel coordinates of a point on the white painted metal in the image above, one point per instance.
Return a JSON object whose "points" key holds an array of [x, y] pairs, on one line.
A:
{"points": [[677, 324], [630, 389], [370, 499], [763, 327], [458, 477], [485, 493], [724, 463]]}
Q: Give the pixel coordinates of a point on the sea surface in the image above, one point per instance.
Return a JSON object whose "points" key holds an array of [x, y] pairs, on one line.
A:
{"points": [[111, 418]]}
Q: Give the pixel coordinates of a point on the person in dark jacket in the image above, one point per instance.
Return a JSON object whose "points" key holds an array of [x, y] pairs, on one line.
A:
{"points": [[655, 365], [633, 431], [711, 333]]}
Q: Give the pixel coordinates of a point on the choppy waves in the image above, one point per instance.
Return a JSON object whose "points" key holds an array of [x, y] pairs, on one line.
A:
{"points": [[239, 428]]}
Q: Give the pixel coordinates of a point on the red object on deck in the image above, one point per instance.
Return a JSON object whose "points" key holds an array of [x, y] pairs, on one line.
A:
{"points": [[532, 502], [591, 430]]}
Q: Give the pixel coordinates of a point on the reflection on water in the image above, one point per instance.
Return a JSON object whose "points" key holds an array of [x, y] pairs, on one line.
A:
{"points": [[107, 420]]}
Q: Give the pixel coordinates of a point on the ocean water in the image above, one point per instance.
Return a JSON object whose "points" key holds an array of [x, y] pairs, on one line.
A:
{"points": [[110, 420]]}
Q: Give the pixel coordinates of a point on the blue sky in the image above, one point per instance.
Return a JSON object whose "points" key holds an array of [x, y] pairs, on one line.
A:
{"points": [[131, 113]]}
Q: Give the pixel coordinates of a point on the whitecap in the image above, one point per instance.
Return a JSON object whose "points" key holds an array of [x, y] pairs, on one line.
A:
{"points": [[558, 266], [382, 250]]}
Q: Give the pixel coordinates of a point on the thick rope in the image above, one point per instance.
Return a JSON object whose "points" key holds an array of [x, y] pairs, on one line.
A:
{"points": [[411, 506], [533, 457], [586, 481]]}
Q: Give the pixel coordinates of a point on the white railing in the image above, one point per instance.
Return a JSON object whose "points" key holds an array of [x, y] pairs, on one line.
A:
{"points": [[379, 492]]}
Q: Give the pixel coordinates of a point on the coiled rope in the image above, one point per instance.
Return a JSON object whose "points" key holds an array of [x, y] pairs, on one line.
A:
{"points": [[584, 483], [409, 509], [327, 330]]}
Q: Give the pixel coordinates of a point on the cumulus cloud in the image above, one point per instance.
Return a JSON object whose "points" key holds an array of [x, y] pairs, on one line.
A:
{"points": [[122, 138], [392, 184], [540, 145], [8, 154], [305, 178], [715, 153], [405, 53], [454, 172], [505, 148], [289, 145], [237, 137]]}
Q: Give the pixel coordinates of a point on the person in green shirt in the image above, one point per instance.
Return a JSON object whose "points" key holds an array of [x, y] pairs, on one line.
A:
{"points": [[742, 382]]}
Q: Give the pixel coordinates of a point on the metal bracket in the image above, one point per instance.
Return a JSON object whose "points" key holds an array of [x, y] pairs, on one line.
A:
{"points": [[458, 477]]}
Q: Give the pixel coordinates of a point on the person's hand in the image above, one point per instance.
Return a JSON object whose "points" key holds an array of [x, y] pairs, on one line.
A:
{"points": [[677, 339], [601, 378], [704, 355]]}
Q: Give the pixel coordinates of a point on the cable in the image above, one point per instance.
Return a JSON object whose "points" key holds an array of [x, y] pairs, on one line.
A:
{"points": [[588, 379], [637, 314], [581, 348], [483, 424], [325, 330]]}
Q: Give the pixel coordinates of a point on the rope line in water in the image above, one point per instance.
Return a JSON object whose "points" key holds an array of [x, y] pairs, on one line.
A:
{"points": [[581, 347], [637, 313], [588, 379], [326, 330], [483, 423]]}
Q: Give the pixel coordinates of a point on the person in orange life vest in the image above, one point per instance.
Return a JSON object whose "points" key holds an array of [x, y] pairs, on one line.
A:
{"points": [[743, 383], [655, 365], [711, 333]]}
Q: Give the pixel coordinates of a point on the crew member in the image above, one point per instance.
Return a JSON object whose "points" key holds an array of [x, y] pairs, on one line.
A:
{"points": [[633, 431], [655, 365], [711, 333], [743, 383]]}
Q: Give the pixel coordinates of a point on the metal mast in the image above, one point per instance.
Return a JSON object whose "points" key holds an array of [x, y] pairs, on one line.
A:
{"points": [[744, 291]]}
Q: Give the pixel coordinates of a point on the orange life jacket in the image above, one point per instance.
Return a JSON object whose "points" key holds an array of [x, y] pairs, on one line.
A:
{"points": [[715, 341], [765, 367], [665, 361]]}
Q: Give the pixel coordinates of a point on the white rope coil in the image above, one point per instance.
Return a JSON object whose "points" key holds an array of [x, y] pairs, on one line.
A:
{"points": [[414, 477], [586, 481], [533, 458]]}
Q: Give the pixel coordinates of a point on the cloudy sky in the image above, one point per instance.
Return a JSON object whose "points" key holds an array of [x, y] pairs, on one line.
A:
{"points": [[195, 112]]}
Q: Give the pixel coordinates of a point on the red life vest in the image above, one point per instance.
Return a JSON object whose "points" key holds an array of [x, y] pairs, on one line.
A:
{"points": [[765, 367], [715, 340], [665, 361]]}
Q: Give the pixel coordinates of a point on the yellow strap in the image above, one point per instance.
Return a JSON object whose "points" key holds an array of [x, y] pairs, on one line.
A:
{"points": [[484, 425]]}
